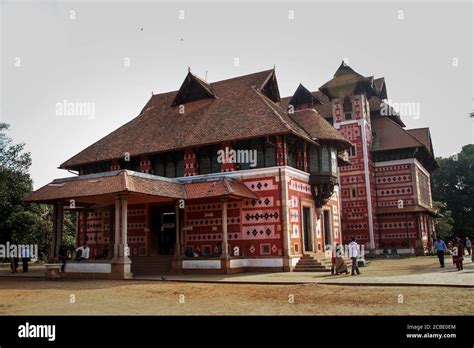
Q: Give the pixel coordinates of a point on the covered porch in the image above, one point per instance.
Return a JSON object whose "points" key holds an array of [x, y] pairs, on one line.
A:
{"points": [[127, 217]]}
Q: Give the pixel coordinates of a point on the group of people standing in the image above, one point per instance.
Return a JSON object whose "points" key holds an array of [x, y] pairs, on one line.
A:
{"points": [[457, 251], [25, 258], [339, 264]]}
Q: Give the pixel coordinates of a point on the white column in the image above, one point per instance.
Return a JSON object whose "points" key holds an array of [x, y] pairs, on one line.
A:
{"points": [[225, 244], [177, 249], [117, 228], [124, 241]]}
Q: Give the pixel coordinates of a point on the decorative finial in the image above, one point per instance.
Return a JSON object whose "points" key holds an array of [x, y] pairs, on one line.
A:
{"points": [[274, 66], [205, 78], [189, 69]]}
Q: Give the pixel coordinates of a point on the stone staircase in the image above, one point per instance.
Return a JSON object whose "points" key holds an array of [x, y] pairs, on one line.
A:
{"points": [[316, 262], [151, 265]]}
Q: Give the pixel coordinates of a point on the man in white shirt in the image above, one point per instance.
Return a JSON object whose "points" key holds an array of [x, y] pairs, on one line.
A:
{"points": [[353, 254], [82, 252]]}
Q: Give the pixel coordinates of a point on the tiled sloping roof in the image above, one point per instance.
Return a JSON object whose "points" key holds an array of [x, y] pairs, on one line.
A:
{"points": [[319, 128], [218, 188], [239, 111], [103, 184], [126, 181], [390, 136], [423, 136]]}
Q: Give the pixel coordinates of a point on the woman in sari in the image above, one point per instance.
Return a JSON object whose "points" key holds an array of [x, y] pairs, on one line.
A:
{"points": [[339, 264], [458, 251]]}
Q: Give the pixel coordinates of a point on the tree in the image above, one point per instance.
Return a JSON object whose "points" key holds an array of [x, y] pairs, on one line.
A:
{"points": [[15, 181], [20, 222], [453, 183], [444, 228]]}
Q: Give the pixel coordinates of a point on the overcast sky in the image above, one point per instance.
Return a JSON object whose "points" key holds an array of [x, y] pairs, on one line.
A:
{"points": [[114, 54]]}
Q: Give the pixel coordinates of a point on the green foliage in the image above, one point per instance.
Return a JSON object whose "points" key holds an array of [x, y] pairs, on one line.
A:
{"points": [[20, 222], [453, 183], [445, 224]]}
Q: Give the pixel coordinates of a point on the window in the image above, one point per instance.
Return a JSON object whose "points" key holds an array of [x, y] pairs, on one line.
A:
{"points": [[347, 109], [270, 155], [352, 151], [170, 165], [325, 159], [313, 159], [353, 193], [333, 161], [158, 166], [207, 158], [170, 169]]}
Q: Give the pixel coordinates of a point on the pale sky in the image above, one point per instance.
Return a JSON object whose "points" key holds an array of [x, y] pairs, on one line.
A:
{"points": [[48, 57]]}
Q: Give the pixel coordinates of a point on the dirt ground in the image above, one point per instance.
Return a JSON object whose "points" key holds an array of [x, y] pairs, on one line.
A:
{"points": [[94, 297]]}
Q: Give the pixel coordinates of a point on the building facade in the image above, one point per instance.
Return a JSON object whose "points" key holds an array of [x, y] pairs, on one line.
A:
{"points": [[230, 177]]}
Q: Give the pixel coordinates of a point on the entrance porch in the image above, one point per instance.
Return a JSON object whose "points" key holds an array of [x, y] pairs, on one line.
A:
{"points": [[135, 222]]}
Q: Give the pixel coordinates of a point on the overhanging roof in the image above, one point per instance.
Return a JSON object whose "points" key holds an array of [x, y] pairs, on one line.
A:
{"points": [[86, 187]]}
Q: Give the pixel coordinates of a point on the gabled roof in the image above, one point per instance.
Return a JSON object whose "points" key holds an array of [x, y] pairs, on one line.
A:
{"points": [[319, 129], [390, 136], [380, 87], [423, 136], [346, 82], [193, 88], [242, 110], [303, 96]]}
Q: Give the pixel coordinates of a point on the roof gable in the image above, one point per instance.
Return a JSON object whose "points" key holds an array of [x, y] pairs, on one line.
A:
{"points": [[423, 136], [193, 88], [303, 96]]}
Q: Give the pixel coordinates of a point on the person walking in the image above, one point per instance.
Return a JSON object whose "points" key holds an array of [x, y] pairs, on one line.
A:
{"points": [[353, 254], [441, 248], [468, 245], [458, 251], [25, 258]]}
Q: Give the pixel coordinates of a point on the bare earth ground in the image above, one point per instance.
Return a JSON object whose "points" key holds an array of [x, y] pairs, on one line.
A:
{"points": [[30, 296]]}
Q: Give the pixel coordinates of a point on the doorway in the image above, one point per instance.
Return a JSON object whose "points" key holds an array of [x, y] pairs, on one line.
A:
{"points": [[307, 229], [327, 228], [162, 228]]}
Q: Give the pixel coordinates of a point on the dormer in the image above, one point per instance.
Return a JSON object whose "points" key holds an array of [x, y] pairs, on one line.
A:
{"points": [[193, 88], [303, 99], [269, 88]]}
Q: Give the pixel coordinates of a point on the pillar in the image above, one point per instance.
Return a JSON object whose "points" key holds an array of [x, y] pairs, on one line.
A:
{"points": [[225, 262], [52, 247], [227, 165], [225, 242], [177, 249], [117, 228], [124, 239], [59, 226], [176, 264], [190, 162], [121, 263]]}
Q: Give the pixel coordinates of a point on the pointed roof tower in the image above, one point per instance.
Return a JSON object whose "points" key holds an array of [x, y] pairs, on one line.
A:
{"points": [[346, 82]]}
